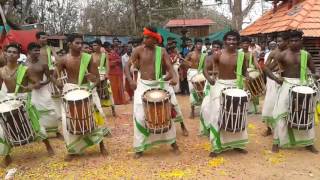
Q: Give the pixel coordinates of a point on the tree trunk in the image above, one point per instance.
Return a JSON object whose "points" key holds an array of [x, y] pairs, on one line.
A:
{"points": [[237, 16], [134, 16]]}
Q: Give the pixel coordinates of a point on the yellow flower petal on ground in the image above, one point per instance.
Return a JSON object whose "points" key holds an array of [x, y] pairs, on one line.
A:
{"points": [[207, 146], [251, 126], [216, 162]]}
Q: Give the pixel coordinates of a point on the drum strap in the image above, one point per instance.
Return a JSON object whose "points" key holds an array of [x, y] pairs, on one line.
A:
{"points": [[303, 66], [20, 75], [240, 58], [201, 62], [251, 65], [103, 62], [85, 60], [158, 66], [50, 65]]}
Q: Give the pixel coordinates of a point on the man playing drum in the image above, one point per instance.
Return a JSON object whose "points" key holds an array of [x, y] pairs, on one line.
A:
{"points": [[272, 86], [195, 61], [81, 73], [47, 56], [152, 61], [208, 71], [253, 65], [230, 65], [294, 63], [101, 61], [13, 78]]}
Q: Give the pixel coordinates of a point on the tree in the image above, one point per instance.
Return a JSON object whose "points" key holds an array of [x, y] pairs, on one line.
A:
{"points": [[238, 12]]}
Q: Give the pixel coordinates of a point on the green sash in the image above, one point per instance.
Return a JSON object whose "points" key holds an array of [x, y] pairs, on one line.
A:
{"points": [[158, 65], [103, 63], [21, 71], [251, 65], [50, 65], [240, 58], [85, 60], [303, 66], [201, 62]]}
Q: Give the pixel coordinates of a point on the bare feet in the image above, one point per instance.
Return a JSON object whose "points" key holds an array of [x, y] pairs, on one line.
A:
{"points": [[69, 157], [48, 146], [175, 148], [213, 154], [184, 129], [312, 149], [242, 151], [268, 132], [113, 111], [103, 150], [275, 148], [7, 160], [138, 155], [59, 136], [192, 112]]}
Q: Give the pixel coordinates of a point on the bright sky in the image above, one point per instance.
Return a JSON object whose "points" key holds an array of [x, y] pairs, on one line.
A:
{"points": [[254, 14]]}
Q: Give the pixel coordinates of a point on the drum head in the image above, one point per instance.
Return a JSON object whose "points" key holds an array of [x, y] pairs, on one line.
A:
{"points": [[198, 78], [77, 95], [155, 95], [6, 106], [254, 74], [235, 92], [303, 90]]}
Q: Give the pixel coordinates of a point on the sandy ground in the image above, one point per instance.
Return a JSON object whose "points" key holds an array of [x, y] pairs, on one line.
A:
{"points": [[160, 162]]}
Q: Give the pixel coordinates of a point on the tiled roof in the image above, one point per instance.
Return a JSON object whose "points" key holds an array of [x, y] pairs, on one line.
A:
{"points": [[304, 16], [189, 22]]}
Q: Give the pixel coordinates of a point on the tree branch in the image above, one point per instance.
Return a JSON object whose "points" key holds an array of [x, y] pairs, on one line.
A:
{"points": [[246, 11]]}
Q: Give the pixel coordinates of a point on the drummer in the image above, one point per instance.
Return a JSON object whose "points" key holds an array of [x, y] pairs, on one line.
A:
{"points": [[12, 83], [76, 77], [231, 66], [143, 58], [253, 65], [292, 73], [208, 71], [47, 56], [272, 86], [101, 60], [195, 61]]}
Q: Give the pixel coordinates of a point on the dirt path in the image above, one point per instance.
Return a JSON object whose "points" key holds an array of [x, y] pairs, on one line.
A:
{"points": [[32, 161]]}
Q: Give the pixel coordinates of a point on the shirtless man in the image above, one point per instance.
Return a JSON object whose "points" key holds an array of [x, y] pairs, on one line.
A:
{"points": [[8, 76], [195, 62], [45, 52], [290, 62], [231, 66], [144, 58], [80, 76], [86, 47], [272, 67], [100, 59]]}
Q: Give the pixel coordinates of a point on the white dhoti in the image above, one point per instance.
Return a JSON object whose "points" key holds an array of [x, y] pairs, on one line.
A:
{"points": [[220, 140], [176, 66], [283, 135], [272, 88], [40, 132], [194, 98], [48, 108], [76, 144], [142, 138]]}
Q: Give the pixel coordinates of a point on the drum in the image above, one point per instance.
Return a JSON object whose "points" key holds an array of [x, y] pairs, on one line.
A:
{"points": [[233, 110], [79, 111], [256, 85], [157, 109], [103, 89], [302, 103], [15, 122], [198, 81], [54, 90]]}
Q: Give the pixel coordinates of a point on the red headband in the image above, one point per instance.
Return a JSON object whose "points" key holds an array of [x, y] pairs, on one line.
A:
{"points": [[157, 36]]}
